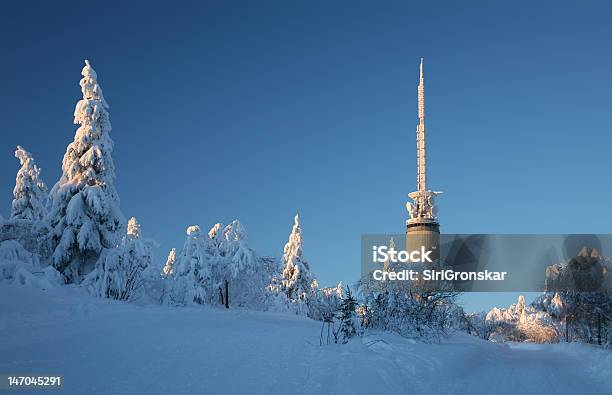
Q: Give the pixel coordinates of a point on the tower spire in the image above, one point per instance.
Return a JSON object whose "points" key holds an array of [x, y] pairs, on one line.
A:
{"points": [[421, 153]]}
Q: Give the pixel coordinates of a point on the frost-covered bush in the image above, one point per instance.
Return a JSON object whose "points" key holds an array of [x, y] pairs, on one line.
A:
{"points": [[477, 325], [84, 212], [410, 312], [121, 273], [30, 192], [326, 302]]}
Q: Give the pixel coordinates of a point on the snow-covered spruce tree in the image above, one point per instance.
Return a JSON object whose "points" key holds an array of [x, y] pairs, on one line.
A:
{"points": [[120, 275], [192, 279], [168, 270], [296, 277], [239, 269], [85, 214], [163, 288], [30, 192], [348, 317]]}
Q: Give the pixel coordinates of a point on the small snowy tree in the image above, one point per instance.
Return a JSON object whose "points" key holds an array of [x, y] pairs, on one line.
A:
{"points": [[85, 214], [120, 276], [348, 317], [165, 287], [30, 192], [296, 277]]}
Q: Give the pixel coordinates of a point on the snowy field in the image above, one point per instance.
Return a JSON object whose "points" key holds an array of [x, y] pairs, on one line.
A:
{"points": [[103, 347]]}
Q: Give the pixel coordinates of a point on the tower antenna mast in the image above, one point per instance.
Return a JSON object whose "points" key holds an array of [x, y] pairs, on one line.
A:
{"points": [[421, 152]]}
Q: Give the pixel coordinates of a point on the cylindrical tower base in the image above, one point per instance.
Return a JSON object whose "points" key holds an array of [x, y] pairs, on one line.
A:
{"points": [[426, 234]]}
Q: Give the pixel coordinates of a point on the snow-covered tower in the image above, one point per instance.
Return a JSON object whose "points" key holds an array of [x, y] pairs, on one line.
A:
{"points": [[422, 229]]}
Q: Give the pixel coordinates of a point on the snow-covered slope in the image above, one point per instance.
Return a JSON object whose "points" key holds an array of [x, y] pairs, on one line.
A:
{"points": [[103, 346]]}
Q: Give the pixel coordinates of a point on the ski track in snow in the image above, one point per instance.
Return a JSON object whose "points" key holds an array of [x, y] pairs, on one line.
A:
{"points": [[102, 346]]}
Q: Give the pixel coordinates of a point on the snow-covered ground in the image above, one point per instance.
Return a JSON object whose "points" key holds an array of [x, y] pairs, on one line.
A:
{"points": [[102, 346]]}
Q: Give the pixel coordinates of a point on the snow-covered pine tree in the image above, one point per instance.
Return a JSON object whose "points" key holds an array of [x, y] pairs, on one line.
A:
{"points": [[168, 269], [238, 267], [216, 235], [348, 317], [85, 214], [163, 288], [30, 192], [120, 276], [296, 277], [192, 280]]}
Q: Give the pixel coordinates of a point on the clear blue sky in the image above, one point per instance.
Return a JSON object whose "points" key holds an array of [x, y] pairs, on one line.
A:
{"points": [[258, 110]]}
